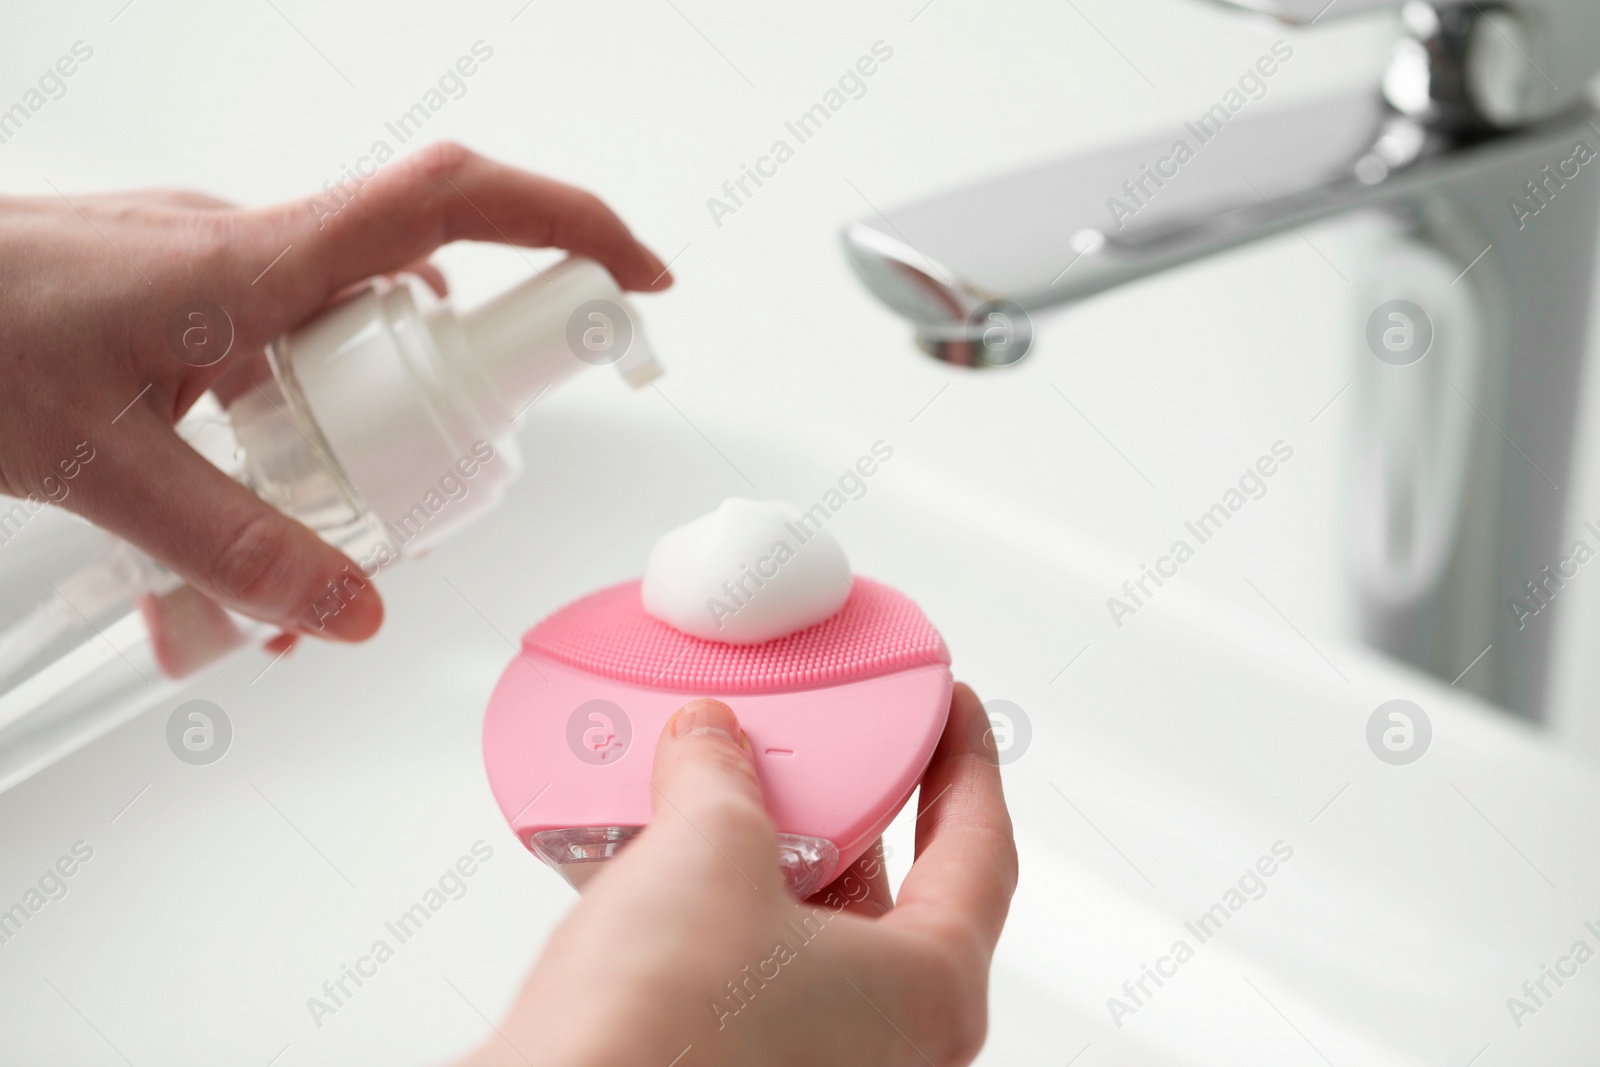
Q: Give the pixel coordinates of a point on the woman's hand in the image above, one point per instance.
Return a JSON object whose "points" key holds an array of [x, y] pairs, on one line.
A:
{"points": [[89, 284], [687, 950]]}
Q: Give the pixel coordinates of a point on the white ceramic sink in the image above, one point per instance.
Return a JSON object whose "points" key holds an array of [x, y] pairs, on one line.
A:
{"points": [[1166, 757]]}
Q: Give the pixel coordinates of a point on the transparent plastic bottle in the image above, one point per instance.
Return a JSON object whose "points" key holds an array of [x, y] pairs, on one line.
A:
{"points": [[352, 424]]}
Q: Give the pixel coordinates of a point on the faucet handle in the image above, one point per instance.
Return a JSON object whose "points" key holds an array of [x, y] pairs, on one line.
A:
{"points": [[1478, 67]]}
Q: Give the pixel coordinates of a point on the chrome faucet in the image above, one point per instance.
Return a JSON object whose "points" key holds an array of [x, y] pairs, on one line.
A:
{"points": [[1482, 148]]}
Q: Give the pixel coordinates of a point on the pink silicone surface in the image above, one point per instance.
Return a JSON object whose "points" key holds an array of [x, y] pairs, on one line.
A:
{"points": [[610, 635], [842, 727]]}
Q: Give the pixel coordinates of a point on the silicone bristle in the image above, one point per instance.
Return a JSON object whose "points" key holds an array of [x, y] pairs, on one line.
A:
{"points": [[608, 633]]}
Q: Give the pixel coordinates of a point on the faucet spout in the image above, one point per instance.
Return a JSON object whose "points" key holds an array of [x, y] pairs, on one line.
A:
{"points": [[1067, 230], [1072, 228]]}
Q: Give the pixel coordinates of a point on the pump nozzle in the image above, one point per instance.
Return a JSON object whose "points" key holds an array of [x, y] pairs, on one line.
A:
{"points": [[552, 325]]}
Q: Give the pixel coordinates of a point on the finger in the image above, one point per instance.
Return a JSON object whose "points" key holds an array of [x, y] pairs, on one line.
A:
{"points": [[966, 866], [187, 629], [703, 759], [446, 193], [707, 796], [149, 487], [178, 198], [862, 888]]}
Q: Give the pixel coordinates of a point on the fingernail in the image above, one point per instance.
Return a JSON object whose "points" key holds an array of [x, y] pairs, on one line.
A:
{"points": [[708, 718], [281, 644], [349, 609]]}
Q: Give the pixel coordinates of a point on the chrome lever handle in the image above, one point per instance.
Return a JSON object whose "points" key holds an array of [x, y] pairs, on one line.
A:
{"points": [[1474, 64]]}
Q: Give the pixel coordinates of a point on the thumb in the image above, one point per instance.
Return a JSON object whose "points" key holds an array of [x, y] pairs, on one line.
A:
{"points": [[707, 792], [150, 488]]}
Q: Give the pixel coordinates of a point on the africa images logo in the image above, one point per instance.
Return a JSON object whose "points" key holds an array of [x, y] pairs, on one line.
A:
{"points": [[599, 732]]}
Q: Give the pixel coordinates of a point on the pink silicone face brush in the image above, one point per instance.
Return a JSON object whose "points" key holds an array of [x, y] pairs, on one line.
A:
{"points": [[842, 716]]}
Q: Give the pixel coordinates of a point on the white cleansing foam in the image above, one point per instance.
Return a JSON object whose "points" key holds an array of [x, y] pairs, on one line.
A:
{"points": [[747, 573]]}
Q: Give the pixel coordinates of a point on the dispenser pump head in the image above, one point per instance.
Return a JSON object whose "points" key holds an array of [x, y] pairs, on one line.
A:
{"points": [[551, 325], [401, 391]]}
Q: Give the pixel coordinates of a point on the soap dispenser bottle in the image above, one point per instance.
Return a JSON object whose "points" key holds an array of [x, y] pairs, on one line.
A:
{"points": [[361, 423]]}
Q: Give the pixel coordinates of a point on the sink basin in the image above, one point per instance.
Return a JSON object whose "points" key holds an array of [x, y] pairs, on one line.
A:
{"points": [[1156, 770]]}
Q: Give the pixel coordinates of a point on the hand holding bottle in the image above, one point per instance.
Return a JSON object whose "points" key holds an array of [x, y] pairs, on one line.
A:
{"points": [[88, 285]]}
